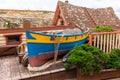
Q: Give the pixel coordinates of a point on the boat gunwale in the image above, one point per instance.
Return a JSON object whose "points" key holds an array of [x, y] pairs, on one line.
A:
{"points": [[58, 35]]}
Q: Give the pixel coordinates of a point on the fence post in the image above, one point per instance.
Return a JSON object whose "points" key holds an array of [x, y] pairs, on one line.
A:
{"points": [[90, 39]]}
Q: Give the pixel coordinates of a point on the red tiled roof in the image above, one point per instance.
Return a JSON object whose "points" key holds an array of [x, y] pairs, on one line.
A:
{"points": [[88, 17]]}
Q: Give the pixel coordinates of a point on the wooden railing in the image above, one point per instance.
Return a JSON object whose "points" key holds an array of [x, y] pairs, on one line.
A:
{"points": [[105, 41]]}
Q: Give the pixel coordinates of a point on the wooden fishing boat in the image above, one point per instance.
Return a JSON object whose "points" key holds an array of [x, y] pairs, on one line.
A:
{"points": [[42, 46]]}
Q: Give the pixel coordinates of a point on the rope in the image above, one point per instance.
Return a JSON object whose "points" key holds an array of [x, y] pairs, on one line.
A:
{"points": [[57, 43], [44, 66]]}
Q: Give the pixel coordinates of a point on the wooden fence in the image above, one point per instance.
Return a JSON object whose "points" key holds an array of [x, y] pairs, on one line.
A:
{"points": [[105, 41]]}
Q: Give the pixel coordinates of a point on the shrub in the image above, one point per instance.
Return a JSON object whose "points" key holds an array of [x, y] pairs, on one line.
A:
{"points": [[114, 61], [103, 29], [87, 58]]}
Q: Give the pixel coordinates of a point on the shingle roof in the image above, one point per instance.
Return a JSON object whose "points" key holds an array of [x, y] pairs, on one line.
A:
{"points": [[104, 16], [88, 17]]}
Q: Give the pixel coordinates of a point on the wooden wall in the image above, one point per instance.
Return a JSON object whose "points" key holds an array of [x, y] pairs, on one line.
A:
{"points": [[3, 39], [63, 75], [4, 32]]}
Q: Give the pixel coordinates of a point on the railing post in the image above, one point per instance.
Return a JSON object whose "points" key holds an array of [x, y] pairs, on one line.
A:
{"points": [[106, 41], [90, 39]]}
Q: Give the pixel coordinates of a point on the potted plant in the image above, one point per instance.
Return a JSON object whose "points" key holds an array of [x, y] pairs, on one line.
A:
{"points": [[90, 62]]}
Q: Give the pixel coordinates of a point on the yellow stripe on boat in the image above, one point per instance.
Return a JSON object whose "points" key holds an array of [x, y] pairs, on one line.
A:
{"points": [[47, 39]]}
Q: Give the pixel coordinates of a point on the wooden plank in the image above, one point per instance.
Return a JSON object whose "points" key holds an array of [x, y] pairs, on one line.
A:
{"points": [[113, 43], [7, 46], [62, 75], [40, 73], [98, 39], [101, 42], [119, 41], [110, 47], [45, 28], [23, 36], [94, 40], [34, 74], [0, 61], [15, 74], [24, 73], [2, 41], [1, 70], [104, 43], [98, 33], [107, 47], [2, 44], [52, 69], [2, 38], [5, 73], [48, 72], [116, 41], [90, 39], [12, 70]]}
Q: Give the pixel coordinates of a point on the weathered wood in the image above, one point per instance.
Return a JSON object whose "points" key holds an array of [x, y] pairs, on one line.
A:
{"points": [[107, 49], [24, 73], [101, 42], [116, 41], [98, 41], [95, 40], [103, 75], [5, 72], [106, 41], [113, 44], [90, 39], [12, 70], [15, 73], [110, 43], [119, 41], [45, 28], [61, 75]]}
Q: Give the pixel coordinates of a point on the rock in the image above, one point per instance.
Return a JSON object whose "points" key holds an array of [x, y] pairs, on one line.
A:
{"points": [[37, 18]]}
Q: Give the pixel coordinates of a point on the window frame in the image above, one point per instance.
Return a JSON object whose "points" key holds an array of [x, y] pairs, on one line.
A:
{"points": [[13, 43]]}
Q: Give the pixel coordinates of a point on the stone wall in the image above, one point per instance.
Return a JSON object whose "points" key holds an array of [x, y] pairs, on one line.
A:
{"points": [[16, 18]]}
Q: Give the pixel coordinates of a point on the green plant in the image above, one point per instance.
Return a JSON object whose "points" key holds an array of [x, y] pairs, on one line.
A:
{"points": [[3, 12], [103, 29], [8, 24], [114, 61], [87, 58]]}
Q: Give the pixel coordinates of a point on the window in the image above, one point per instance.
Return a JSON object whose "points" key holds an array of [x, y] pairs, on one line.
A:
{"points": [[13, 39], [62, 22], [59, 16]]}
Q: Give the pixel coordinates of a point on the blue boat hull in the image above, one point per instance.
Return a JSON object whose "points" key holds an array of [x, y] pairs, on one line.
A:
{"points": [[41, 47], [41, 55]]}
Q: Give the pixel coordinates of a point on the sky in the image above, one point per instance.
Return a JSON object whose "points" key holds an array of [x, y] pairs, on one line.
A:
{"points": [[50, 5]]}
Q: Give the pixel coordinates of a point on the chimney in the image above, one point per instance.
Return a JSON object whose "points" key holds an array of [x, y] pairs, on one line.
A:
{"points": [[26, 25], [66, 1]]}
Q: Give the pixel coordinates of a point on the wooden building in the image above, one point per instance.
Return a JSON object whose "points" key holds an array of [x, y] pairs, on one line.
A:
{"points": [[68, 14], [11, 38]]}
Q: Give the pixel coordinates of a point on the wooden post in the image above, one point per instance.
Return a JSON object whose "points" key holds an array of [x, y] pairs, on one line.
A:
{"points": [[26, 25], [101, 42], [90, 39]]}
